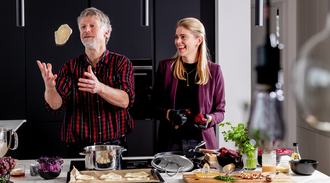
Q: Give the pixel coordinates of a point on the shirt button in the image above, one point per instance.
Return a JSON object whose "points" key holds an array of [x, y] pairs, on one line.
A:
{"points": [[94, 72], [99, 117], [100, 133], [97, 101]]}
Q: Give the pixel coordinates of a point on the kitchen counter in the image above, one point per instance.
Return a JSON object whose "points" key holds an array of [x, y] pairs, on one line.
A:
{"points": [[12, 124], [316, 177]]}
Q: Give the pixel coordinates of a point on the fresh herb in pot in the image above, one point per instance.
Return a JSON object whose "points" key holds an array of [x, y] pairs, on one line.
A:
{"points": [[240, 136], [224, 178]]}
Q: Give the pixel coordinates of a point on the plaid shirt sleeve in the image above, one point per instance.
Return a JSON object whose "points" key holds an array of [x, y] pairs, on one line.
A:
{"points": [[63, 85], [126, 78]]}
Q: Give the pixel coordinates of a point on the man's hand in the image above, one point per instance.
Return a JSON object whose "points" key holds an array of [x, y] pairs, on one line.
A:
{"points": [[51, 95], [91, 84], [47, 75]]}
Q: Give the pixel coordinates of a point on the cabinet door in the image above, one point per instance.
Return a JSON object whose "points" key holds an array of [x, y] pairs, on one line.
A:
{"points": [[128, 37], [43, 18], [167, 15], [12, 69]]}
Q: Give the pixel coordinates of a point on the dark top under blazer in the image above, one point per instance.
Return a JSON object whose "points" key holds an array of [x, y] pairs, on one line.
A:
{"points": [[211, 99]]}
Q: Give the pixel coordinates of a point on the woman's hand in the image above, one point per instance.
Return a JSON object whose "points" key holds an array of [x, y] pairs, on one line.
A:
{"points": [[178, 116], [202, 121]]}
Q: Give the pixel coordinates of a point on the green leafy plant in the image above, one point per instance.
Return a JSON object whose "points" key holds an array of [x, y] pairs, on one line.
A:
{"points": [[240, 136]]}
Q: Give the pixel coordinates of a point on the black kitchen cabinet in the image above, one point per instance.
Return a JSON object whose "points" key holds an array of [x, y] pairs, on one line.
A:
{"points": [[128, 37], [22, 91], [12, 69], [168, 13], [43, 18]]}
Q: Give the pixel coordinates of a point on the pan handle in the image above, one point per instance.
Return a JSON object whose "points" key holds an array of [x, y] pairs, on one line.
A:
{"points": [[197, 146], [177, 171], [85, 153], [209, 151]]}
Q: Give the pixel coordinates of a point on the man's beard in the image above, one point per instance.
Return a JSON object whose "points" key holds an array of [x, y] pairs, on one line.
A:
{"points": [[89, 43]]}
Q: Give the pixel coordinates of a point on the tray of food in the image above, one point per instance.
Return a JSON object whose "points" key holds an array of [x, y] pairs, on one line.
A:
{"points": [[239, 177], [131, 175]]}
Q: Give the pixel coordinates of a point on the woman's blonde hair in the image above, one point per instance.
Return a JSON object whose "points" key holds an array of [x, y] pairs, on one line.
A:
{"points": [[203, 71]]}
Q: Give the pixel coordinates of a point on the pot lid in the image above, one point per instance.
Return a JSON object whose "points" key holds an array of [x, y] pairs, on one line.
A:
{"points": [[104, 148], [172, 163]]}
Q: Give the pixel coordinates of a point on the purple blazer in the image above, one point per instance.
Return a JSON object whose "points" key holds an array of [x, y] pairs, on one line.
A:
{"points": [[211, 100]]}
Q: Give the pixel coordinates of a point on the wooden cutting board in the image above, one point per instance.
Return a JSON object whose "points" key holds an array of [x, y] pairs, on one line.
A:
{"points": [[191, 178]]}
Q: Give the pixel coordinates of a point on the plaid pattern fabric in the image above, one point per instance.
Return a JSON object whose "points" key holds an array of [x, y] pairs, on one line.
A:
{"points": [[89, 118]]}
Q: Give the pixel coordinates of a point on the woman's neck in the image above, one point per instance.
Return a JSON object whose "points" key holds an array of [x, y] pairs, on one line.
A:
{"points": [[189, 60]]}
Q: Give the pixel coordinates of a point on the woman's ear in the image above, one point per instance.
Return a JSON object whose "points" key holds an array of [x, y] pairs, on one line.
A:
{"points": [[200, 40]]}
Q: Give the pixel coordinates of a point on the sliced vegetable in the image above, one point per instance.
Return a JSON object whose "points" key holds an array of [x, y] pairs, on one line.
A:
{"points": [[224, 178]]}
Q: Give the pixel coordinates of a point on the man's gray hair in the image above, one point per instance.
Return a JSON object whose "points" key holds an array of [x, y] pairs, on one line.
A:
{"points": [[105, 21]]}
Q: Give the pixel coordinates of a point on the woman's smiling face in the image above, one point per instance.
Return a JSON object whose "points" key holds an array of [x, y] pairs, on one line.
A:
{"points": [[186, 43]]}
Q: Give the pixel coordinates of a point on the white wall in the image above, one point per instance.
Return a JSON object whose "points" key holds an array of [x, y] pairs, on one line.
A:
{"points": [[313, 144], [234, 56]]}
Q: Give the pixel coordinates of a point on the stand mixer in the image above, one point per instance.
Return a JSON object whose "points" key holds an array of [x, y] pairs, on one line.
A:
{"points": [[5, 140]]}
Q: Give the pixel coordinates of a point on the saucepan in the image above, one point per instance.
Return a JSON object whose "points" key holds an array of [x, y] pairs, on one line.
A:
{"points": [[103, 157]]}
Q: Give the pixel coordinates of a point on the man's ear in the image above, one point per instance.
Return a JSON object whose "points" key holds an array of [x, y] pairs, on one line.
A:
{"points": [[106, 33]]}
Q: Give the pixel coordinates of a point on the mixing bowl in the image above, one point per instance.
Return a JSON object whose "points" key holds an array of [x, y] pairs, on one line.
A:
{"points": [[303, 166]]}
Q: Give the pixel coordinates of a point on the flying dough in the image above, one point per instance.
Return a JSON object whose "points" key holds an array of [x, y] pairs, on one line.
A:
{"points": [[62, 34]]}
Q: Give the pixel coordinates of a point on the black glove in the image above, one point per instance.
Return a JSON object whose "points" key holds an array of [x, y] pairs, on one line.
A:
{"points": [[178, 116], [202, 121]]}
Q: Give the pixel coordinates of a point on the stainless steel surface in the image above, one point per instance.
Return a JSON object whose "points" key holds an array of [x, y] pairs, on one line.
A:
{"points": [[197, 146], [103, 157], [12, 124], [5, 140], [229, 173], [172, 163], [142, 67]]}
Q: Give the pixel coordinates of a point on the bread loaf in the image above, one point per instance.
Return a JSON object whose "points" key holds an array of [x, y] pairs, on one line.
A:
{"points": [[228, 168], [211, 157]]}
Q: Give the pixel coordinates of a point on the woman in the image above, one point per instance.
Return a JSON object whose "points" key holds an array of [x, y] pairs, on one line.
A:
{"points": [[188, 88]]}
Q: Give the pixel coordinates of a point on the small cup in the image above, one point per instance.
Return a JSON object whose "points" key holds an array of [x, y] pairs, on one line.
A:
{"points": [[34, 169], [18, 172]]}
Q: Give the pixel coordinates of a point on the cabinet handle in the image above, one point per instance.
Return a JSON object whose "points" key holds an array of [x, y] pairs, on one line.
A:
{"points": [[139, 74], [259, 12], [89, 3], [142, 67], [20, 14], [145, 12]]}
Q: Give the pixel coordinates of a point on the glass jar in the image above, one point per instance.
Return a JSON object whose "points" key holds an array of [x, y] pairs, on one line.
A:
{"points": [[268, 160], [250, 161], [5, 178]]}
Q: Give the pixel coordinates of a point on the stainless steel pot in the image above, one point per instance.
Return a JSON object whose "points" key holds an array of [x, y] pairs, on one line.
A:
{"points": [[103, 157], [5, 140]]}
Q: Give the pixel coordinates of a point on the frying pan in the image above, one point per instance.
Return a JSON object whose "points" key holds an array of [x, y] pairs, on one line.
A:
{"points": [[188, 154]]}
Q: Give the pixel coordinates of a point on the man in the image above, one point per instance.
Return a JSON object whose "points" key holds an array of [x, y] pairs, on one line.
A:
{"points": [[96, 88]]}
